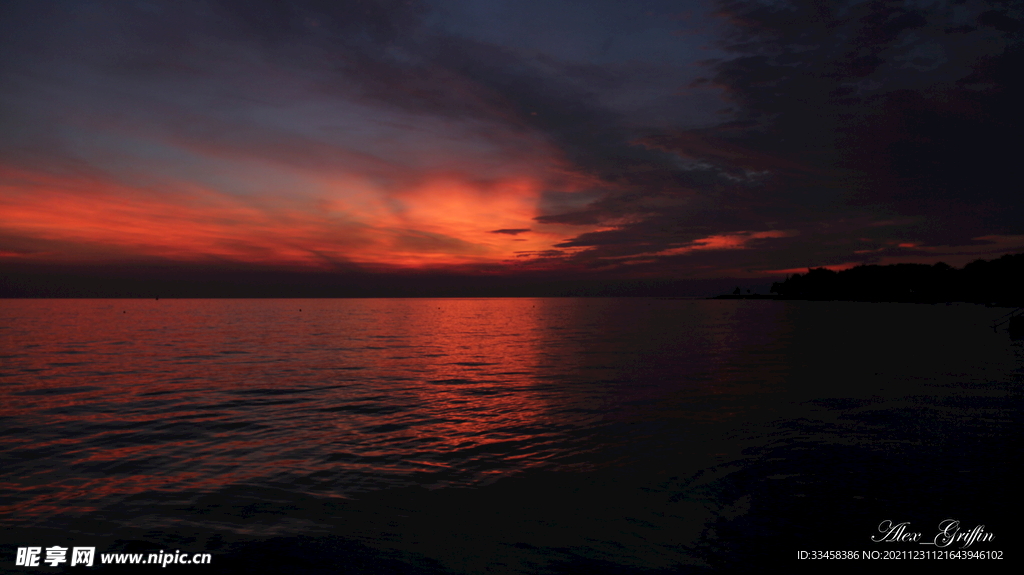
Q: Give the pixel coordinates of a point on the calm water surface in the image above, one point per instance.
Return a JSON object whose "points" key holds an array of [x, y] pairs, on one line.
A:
{"points": [[500, 435]]}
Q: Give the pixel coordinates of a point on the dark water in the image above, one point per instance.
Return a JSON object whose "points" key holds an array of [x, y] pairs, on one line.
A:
{"points": [[502, 435]]}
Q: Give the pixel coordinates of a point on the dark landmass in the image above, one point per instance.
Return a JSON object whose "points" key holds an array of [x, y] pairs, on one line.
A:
{"points": [[996, 282]]}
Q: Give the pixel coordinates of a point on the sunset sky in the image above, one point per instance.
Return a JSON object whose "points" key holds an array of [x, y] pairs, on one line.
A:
{"points": [[685, 140]]}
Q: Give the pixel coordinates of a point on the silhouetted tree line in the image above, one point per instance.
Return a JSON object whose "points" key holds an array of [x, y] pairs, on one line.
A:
{"points": [[999, 281]]}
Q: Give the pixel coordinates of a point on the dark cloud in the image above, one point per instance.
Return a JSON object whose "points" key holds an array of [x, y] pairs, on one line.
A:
{"points": [[511, 232], [917, 113], [844, 115]]}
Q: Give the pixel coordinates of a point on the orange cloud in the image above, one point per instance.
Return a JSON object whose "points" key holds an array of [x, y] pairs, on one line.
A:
{"points": [[835, 268], [439, 219], [732, 241]]}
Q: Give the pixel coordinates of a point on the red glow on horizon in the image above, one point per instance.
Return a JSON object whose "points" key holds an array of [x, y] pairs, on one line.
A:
{"points": [[835, 268], [443, 219]]}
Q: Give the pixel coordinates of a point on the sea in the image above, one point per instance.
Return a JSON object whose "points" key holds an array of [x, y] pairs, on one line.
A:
{"points": [[507, 435]]}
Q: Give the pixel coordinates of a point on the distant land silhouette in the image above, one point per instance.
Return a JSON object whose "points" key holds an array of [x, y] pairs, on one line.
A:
{"points": [[995, 282]]}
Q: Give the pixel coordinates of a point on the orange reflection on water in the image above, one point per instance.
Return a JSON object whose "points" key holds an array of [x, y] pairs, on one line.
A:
{"points": [[348, 396], [474, 361], [201, 395]]}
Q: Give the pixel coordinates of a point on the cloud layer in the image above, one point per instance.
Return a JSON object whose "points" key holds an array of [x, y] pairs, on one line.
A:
{"points": [[657, 139]]}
